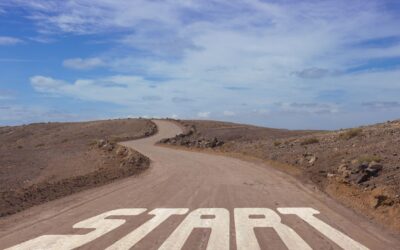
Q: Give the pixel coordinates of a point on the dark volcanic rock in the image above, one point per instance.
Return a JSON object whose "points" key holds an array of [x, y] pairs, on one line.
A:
{"points": [[191, 138]]}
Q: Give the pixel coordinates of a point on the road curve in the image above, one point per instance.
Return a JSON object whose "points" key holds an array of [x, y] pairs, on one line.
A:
{"points": [[242, 204]]}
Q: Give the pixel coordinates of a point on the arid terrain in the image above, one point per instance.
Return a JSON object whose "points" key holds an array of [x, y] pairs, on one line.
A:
{"points": [[194, 200], [359, 167], [45, 161]]}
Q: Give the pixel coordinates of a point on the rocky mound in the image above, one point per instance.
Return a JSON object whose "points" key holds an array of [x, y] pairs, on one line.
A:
{"points": [[192, 138]]}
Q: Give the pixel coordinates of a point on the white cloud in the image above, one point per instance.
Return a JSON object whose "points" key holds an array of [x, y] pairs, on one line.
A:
{"points": [[312, 73], [311, 108], [47, 84], [4, 97], [266, 52], [382, 105], [17, 114], [229, 113], [203, 114], [42, 39], [83, 64], [117, 89], [280, 38], [93, 16], [6, 94], [7, 40]]}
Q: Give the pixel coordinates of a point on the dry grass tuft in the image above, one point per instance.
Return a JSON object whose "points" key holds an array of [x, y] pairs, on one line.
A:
{"points": [[308, 141], [351, 133], [369, 158]]}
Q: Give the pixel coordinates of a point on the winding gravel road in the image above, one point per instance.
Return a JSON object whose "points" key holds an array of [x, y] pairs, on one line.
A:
{"points": [[189, 200]]}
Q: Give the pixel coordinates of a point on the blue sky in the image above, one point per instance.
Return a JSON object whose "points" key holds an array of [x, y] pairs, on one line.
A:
{"points": [[289, 64]]}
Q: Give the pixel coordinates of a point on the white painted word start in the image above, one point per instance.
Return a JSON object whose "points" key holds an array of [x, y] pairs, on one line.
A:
{"points": [[216, 219]]}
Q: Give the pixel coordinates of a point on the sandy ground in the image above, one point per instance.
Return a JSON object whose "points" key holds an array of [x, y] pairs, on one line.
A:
{"points": [[183, 179]]}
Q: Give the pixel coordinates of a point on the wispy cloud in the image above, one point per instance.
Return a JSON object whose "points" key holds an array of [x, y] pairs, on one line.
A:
{"points": [[6, 94], [181, 100], [229, 113], [152, 98], [204, 114], [382, 105], [7, 40], [311, 108], [83, 64], [17, 114], [313, 73], [312, 57], [116, 89]]}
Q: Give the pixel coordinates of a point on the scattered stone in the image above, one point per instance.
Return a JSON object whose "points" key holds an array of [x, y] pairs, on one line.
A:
{"points": [[308, 158], [354, 162], [363, 172], [121, 151], [374, 168], [192, 139], [312, 160], [362, 166], [342, 168], [382, 197], [330, 175], [361, 177], [344, 171], [108, 147], [101, 143], [164, 141]]}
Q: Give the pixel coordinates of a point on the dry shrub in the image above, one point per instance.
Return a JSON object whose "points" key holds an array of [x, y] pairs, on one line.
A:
{"points": [[308, 141], [369, 158], [351, 133]]}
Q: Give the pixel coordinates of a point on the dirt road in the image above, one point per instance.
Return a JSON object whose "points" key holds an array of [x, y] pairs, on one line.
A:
{"points": [[194, 201]]}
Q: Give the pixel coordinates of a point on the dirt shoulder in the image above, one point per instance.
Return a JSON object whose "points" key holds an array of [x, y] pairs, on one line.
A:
{"points": [[360, 167], [45, 161]]}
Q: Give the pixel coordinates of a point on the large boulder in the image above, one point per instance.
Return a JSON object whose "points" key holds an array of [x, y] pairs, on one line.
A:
{"points": [[366, 171]]}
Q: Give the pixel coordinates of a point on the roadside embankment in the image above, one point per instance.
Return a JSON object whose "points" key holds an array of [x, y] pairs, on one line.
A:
{"points": [[46, 161]]}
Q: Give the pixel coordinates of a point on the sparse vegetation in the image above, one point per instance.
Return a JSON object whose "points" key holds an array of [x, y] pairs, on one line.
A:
{"points": [[351, 133], [369, 158], [287, 142], [351, 150], [92, 143], [308, 141], [114, 139], [70, 149]]}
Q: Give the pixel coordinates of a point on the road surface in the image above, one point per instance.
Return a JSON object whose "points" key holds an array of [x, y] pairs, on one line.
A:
{"points": [[190, 200]]}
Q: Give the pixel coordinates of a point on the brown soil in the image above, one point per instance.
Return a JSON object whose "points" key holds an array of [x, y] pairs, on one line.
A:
{"points": [[186, 179], [45, 161], [337, 162]]}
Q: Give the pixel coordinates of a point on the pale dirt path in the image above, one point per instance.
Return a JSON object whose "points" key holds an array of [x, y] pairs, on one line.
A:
{"points": [[183, 179]]}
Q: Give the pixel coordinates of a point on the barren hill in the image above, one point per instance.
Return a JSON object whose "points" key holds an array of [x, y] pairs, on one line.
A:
{"points": [[44, 161], [358, 166]]}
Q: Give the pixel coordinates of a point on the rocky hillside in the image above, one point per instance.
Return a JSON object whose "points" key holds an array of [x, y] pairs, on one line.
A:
{"points": [[42, 162], [359, 166]]}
